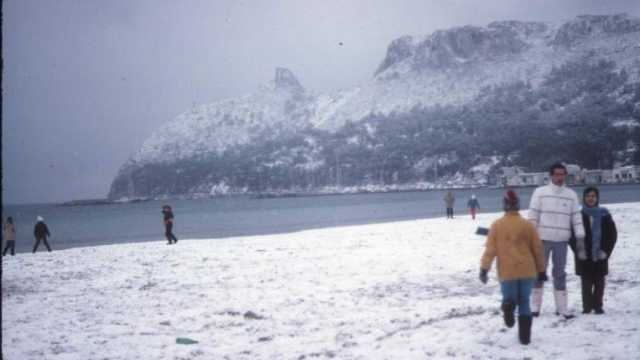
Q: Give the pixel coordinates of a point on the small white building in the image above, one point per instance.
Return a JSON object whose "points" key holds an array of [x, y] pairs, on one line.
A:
{"points": [[526, 179], [607, 176], [509, 173], [623, 174], [597, 176], [593, 176], [574, 174], [515, 176]]}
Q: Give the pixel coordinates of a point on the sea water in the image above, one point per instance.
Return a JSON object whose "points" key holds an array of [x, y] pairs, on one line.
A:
{"points": [[90, 225]]}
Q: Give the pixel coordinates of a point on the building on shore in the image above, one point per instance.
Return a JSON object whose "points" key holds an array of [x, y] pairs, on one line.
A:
{"points": [[574, 174], [525, 179], [516, 176], [626, 174]]}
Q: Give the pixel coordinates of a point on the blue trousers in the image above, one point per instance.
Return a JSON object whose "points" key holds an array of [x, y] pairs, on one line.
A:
{"points": [[518, 292]]}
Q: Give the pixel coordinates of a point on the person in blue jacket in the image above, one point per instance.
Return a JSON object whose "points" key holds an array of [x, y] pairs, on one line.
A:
{"points": [[473, 206]]}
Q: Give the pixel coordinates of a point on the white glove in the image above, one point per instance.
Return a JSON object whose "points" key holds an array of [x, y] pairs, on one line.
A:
{"points": [[582, 253], [602, 255]]}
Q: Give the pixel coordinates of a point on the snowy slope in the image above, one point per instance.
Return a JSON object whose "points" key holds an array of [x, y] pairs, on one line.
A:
{"points": [[281, 105], [402, 290], [452, 66], [447, 67]]}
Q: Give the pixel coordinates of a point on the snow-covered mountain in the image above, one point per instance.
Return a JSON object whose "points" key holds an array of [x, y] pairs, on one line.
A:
{"points": [[447, 67], [452, 66], [279, 106]]}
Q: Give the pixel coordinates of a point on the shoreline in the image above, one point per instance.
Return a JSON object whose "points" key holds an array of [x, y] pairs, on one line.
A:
{"points": [[162, 240], [302, 194]]}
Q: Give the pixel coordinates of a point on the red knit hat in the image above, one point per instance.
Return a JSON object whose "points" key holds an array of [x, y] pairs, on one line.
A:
{"points": [[511, 200]]}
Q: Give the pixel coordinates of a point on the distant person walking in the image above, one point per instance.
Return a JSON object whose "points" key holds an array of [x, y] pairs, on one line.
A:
{"points": [[555, 212], [473, 206], [41, 232], [9, 235], [515, 243], [168, 224], [449, 200], [593, 252]]}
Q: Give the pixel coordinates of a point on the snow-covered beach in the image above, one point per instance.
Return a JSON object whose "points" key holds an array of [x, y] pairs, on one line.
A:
{"points": [[401, 290]]}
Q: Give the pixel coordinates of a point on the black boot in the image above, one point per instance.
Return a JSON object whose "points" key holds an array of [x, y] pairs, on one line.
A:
{"points": [[507, 314], [524, 329], [598, 294], [586, 282]]}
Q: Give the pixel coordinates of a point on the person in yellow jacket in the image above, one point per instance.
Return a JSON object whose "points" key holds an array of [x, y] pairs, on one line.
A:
{"points": [[520, 261], [9, 232]]}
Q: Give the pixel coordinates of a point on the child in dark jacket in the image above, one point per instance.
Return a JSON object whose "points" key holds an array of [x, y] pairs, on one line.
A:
{"points": [[168, 224], [592, 254], [473, 206], [41, 232]]}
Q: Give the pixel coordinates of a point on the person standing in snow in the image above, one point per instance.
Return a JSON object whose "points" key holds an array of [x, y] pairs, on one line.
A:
{"points": [[449, 200], [520, 261], [592, 253], [9, 235], [41, 232], [473, 205], [168, 224], [555, 212]]}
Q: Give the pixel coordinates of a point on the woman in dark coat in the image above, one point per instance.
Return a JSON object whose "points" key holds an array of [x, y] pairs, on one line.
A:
{"points": [[592, 255]]}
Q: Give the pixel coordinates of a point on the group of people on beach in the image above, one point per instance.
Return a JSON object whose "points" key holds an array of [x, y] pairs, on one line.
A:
{"points": [[473, 204], [555, 222], [40, 232], [522, 247]]}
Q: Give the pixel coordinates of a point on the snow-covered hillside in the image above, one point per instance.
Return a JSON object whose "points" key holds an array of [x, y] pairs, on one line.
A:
{"points": [[447, 67], [262, 140], [400, 290], [452, 66], [281, 105]]}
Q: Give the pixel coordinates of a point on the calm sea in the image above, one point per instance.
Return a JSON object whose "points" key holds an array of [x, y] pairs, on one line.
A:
{"points": [[242, 215]]}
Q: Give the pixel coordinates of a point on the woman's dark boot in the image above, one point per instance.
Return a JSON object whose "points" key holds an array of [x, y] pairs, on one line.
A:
{"points": [[586, 284], [524, 329], [598, 295], [507, 313]]}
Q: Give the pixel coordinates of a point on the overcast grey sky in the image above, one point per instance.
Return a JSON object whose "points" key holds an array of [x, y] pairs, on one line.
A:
{"points": [[86, 82]]}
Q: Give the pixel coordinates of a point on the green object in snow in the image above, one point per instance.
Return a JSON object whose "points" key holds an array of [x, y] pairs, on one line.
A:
{"points": [[185, 341]]}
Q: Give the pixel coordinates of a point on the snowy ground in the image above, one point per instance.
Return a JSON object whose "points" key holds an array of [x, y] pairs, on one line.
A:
{"points": [[403, 290]]}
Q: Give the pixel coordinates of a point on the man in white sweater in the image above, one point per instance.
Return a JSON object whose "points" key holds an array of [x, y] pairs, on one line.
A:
{"points": [[554, 211]]}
